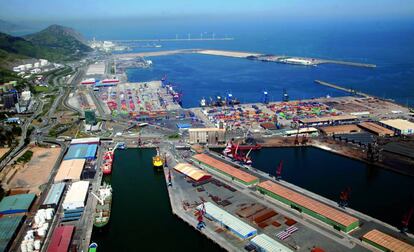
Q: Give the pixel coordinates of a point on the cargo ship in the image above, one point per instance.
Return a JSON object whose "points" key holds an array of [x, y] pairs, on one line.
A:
{"points": [[218, 101], [110, 81], [106, 166], [89, 81], [103, 208]]}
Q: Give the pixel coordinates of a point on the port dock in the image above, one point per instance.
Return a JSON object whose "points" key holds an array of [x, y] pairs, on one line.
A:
{"points": [[348, 90], [248, 55]]}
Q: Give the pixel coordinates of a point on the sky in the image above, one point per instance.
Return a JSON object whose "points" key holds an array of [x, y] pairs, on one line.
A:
{"points": [[49, 10]]}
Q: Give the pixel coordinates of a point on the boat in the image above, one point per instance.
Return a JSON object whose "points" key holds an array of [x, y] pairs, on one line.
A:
{"points": [[158, 162], [106, 166], [103, 208], [203, 102], [120, 146], [93, 247]]}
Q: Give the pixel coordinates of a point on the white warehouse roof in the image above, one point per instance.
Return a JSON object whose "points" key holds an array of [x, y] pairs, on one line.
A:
{"points": [[87, 140], [76, 195], [265, 243], [228, 220], [400, 124]]}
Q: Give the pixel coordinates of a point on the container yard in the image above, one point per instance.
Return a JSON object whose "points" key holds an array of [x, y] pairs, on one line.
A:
{"points": [[138, 100]]}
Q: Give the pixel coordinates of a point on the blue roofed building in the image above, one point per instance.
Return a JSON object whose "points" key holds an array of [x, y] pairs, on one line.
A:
{"points": [[77, 151], [54, 195], [19, 203], [9, 227]]}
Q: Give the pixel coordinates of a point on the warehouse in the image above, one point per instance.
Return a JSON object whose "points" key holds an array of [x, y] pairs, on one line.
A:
{"points": [[196, 175], [70, 170], [233, 224], [9, 227], [264, 243], [385, 242], [53, 196], [61, 239], [376, 129], [87, 140], [76, 195], [340, 129], [399, 126], [229, 171], [207, 136], [19, 203], [309, 131], [328, 120], [81, 151], [338, 219]]}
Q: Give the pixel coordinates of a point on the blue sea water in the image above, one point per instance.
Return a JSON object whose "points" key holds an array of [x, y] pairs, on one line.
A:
{"points": [[389, 46]]}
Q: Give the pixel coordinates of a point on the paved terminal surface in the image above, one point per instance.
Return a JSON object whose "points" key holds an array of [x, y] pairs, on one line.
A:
{"points": [[184, 198]]}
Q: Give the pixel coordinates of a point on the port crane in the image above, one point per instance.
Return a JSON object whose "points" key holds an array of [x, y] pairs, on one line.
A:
{"points": [[344, 197], [279, 170], [200, 217], [406, 220]]}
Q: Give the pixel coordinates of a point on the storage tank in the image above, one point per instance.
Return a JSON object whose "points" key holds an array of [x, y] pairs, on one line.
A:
{"points": [[30, 246], [37, 244], [41, 232], [23, 246]]}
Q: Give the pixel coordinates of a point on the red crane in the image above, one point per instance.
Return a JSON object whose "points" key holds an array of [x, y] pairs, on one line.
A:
{"points": [[406, 220], [279, 170], [344, 197], [200, 217]]}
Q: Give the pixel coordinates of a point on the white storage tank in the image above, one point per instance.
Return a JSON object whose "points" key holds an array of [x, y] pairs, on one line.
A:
{"points": [[23, 246], [41, 232], [37, 244], [30, 246]]}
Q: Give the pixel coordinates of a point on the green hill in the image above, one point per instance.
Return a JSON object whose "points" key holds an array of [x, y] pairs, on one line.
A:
{"points": [[60, 41], [55, 43]]}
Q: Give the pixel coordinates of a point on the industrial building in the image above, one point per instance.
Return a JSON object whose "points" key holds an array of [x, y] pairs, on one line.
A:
{"points": [[336, 218], [61, 238], [385, 242], [75, 199], [232, 223], [77, 151], [264, 243], [210, 136], [376, 129], [70, 170], [399, 126], [53, 196], [340, 129], [196, 175], [308, 131], [224, 169], [9, 227], [19, 203], [86, 140], [328, 120]]}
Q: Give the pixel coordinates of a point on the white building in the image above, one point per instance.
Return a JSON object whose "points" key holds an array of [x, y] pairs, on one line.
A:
{"points": [[26, 95], [76, 195], [266, 244], [35, 71], [239, 228], [28, 66], [207, 135], [399, 126], [19, 68], [43, 62], [36, 65]]}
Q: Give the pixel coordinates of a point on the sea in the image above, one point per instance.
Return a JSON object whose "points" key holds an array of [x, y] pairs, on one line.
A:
{"points": [[387, 44]]}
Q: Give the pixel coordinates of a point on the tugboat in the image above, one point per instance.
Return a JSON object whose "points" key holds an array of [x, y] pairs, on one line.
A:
{"points": [[106, 166], [103, 208], [93, 247], [158, 161]]}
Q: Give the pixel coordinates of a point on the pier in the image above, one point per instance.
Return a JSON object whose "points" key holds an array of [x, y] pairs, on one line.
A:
{"points": [[305, 61], [348, 90]]}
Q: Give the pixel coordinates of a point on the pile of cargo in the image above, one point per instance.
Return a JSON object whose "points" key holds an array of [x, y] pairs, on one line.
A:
{"points": [[296, 110], [35, 237], [238, 116]]}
